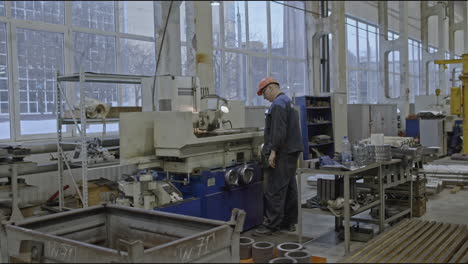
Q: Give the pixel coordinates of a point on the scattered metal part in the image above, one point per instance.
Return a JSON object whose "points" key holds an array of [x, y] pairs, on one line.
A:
{"points": [[301, 256], [262, 251], [283, 260], [246, 247], [283, 248]]}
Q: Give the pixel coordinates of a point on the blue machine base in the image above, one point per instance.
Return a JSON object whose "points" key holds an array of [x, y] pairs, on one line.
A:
{"points": [[208, 196]]}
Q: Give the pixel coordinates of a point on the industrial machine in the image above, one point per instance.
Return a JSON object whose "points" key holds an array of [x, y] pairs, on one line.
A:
{"points": [[459, 95], [146, 192], [207, 154]]}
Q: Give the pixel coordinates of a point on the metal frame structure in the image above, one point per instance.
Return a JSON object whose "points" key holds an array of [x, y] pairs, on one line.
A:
{"points": [[112, 233], [387, 177], [81, 125]]}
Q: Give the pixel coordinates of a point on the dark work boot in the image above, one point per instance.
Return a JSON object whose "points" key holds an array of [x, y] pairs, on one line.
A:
{"points": [[288, 228], [263, 231]]}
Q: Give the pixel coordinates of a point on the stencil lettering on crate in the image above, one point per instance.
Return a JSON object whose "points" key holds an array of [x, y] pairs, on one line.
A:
{"points": [[199, 247], [61, 251]]}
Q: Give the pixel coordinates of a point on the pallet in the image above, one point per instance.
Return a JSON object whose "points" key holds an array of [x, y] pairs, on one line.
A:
{"points": [[416, 241]]}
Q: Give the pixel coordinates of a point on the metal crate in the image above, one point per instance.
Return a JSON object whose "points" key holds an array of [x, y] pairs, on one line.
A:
{"points": [[112, 233]]}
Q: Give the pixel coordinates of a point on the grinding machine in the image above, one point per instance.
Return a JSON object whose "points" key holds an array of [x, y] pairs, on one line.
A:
{"points": [[196, 156]]}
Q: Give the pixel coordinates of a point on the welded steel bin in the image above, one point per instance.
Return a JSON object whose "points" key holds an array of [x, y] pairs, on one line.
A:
{"points": [[112, 233]]}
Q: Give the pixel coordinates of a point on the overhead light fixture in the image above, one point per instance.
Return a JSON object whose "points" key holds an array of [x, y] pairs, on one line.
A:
{"points": [[215, 3]]}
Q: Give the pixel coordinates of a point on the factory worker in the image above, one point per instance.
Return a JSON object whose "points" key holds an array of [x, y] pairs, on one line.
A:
{"points": [[282, 146]]}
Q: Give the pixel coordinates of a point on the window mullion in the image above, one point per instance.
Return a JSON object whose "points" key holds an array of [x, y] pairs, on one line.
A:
{"points": [[222, 43], [69, 60], [15, 122], [358, 59], [249, 57], [13, 94], [118, 60]]}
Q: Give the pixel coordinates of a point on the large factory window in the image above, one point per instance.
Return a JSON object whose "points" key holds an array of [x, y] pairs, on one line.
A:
{"points": [[394, 84], [44, 11], [362, 40], [187, 35], [40, 56], [254, 39], [99, 36], [362, 61], [94, 14], [137, 58], [131, 15], [4, 91], [414, 59], [96, 53]]}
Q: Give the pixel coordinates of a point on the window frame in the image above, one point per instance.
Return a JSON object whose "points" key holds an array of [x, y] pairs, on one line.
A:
{"points": [[250, 54], [68, 30], [357, 69]]}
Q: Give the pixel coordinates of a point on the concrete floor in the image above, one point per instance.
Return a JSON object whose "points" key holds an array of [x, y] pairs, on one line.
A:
{"points": [[442, 207]]}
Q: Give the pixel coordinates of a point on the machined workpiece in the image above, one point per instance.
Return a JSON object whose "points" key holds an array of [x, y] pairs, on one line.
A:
{"points": [[246, 247], [262, 251], [286, 247]]}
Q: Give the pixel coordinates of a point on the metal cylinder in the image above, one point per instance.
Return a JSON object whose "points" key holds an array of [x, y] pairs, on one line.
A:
{"points": [[262, 251], [246, 174], [246, 247], [231, 178], [301, 256], [283, 248], [283, 260]]}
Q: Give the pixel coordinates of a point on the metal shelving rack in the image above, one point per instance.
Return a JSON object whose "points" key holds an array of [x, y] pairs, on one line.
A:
{"points": [[80, 124], [380, 176], [310, 129]]}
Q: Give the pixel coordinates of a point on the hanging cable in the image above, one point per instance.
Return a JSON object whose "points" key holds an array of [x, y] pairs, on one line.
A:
{"points": [[159, 52]]}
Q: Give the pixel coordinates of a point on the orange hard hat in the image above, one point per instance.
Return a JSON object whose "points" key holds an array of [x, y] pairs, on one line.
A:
{"points": [[264, 83]]}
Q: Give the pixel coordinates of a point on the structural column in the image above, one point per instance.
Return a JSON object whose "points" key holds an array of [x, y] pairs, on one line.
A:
{"points": [[170, 53], [427, 11], [317, 27], [465, 26], [203, 44], [338, 66], [385, 47]]}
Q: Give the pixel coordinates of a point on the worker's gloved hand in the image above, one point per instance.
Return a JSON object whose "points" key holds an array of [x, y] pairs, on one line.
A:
{"points": [[272, 159]]}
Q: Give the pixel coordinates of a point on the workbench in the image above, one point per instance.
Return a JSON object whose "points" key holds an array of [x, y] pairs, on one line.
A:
{"points": [[378, 175]]}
